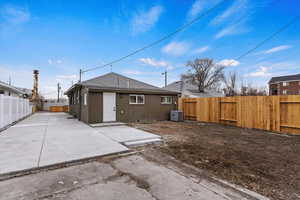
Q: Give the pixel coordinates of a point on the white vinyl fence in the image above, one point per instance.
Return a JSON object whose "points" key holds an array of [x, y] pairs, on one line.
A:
{"points": [[13, 109]]}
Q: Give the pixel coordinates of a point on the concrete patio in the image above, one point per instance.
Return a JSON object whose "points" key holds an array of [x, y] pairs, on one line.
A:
{"points": [[50, 138], [129, 136]]}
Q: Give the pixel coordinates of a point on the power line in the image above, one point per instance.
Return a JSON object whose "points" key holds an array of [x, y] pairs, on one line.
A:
{"points": [[268, 38], [159, 40], [281, 29]]}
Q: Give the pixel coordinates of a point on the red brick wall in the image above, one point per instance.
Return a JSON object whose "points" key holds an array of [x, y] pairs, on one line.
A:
{"points": [[292, 88]]}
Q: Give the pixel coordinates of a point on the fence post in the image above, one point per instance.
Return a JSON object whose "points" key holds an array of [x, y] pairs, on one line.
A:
{"points": [[18, 108], [198, 110], [22, 108], [15, 108], [180, 104], [1, 112], [10, 114], [26, 108]]}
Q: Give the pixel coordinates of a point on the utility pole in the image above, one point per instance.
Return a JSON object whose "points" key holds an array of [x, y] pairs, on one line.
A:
{"points": [[58, 91], [9, 80], [80, 73], [166, 77]]}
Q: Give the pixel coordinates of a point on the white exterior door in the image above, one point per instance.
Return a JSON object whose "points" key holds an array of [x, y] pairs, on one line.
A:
{"points": [[109, 107]]}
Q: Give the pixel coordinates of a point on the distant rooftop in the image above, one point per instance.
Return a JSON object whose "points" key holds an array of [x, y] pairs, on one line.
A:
{"points": [[294, 77], [10, 87], [191, 90]]}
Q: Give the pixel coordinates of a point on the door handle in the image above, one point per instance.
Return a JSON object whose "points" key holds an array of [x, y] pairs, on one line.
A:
{"points": [[114, 109]]}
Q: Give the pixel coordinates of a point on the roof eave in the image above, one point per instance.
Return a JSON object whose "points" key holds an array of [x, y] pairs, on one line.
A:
{"points": [[131, 90], [72, 88], [13, 89]]}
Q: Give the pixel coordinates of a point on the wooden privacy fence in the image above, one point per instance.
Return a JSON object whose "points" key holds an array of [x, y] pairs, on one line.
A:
{"points": [[271, 113], [59, 108]]}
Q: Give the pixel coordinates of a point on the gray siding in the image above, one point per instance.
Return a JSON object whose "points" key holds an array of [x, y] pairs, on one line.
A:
{"points": [[152, 110], [84, 114], [95, 107]]}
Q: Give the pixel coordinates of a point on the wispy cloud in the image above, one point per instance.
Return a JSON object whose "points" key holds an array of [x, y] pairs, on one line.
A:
{"points": [[144, 20], [198, 6], [237, 8], [234, 29], [153, 62], [176, 48], [156, 63], [229, 62], [276, 49], [261, 72], [14, 14], [235, 18], [201, 50], [54, 61]]}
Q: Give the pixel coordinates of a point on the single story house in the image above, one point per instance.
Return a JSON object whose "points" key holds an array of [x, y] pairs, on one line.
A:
{"points": [[187, 89], [114, 97], [9, 90]]}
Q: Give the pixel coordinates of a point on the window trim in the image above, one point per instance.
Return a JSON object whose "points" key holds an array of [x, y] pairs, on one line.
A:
{"points": [[284, 91], [166, 103], [285, 83], [136, 97]]}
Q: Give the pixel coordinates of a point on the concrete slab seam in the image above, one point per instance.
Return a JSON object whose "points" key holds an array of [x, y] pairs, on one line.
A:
{"points": [[43, 142]]}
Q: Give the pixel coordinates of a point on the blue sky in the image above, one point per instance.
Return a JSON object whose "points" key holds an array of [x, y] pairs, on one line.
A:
{"points": [[60, 37]]}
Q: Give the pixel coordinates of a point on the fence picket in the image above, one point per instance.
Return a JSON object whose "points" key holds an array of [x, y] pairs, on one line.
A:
{"points": [[272, 113], [13, 109]]}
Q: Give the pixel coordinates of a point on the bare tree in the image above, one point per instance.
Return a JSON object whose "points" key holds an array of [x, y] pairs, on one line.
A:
{"points": [[249, 90], [230, 84], [204, 73]]}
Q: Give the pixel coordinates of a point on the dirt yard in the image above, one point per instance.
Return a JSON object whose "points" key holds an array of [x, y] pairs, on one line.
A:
{"points": [[260, 161]]}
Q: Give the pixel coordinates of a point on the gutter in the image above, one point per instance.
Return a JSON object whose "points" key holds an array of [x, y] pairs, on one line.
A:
{"points": [[11, 88], [275, 82], [126, 90]]}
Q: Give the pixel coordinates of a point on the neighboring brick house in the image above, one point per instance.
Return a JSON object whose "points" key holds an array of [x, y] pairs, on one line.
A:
{"points": [[285, 85]]}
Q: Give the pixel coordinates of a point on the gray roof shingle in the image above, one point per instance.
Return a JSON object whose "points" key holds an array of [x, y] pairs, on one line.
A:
{"points": [[116, 81], [285, 78]]}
